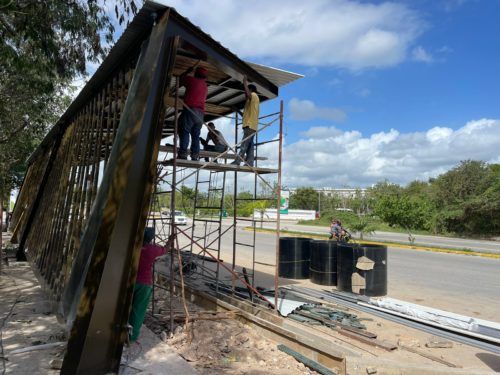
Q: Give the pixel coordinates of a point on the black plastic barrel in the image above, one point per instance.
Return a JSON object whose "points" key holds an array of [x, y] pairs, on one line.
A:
{"points": [[362, 269], [323, 268], [294, 258]]}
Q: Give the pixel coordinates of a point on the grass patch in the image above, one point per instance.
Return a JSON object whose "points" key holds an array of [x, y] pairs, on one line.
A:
{"points": [[348, 218]]}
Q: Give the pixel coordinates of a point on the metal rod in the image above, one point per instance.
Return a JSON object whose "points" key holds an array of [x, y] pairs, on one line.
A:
{"points": [[235, 208], [233, 273], [172, 206], [278, 205]]}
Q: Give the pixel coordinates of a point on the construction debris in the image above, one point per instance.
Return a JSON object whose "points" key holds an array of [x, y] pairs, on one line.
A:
{"points": [[216, 346], [306, 361], [436, 342], [430, 356]]}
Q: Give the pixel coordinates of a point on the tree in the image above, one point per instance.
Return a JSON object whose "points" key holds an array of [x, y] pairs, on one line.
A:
{"points": [[305, 198], [459, 195], [362, 225], [44, 45]]}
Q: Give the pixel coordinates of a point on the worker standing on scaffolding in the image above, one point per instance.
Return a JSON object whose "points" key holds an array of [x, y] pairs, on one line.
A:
{"points": [[250, 123], [191, 118]]}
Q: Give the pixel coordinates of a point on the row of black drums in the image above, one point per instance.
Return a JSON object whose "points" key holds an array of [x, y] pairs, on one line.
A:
{"points": [[356, 268]]}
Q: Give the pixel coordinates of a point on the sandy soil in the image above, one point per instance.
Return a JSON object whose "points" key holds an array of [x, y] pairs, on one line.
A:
{"points": [[222, 346]]}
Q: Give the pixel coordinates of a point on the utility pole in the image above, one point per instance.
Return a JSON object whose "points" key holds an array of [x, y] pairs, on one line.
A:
{"points": [[319, 202]]}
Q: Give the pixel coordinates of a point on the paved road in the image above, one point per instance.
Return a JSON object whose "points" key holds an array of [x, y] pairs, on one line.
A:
{"points": [[459, 283], [424, 240]]}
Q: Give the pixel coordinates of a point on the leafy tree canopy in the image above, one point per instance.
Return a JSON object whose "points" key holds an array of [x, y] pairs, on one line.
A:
{"points": [[44, 45]]}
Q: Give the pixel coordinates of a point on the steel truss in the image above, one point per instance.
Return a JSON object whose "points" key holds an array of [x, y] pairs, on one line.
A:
{"points": [[204, 235]]}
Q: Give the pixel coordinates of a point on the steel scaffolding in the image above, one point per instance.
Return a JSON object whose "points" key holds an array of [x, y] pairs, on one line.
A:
{"points": [[204, 235]]}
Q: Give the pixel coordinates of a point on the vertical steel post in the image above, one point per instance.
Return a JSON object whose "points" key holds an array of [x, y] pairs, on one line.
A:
{"points": [[173, 233], [98, 295], [235, 203], [278, 216]]}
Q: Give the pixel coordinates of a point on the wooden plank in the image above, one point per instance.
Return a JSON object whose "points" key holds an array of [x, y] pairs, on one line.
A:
{"points": [[208, 154], [372, 342], [218, 167]]}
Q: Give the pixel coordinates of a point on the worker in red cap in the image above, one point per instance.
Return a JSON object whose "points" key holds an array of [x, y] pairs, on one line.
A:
{"points": [[191, 118]]}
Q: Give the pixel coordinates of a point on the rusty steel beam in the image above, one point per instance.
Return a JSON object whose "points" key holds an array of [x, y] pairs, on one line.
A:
{"points": [[30, 214], [97, 298]]}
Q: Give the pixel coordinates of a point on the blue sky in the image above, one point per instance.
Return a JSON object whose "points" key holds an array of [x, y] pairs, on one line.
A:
{"points": [[398, 90], [460, 82]]}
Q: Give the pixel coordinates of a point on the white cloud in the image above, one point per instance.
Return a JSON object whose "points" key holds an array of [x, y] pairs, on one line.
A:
{"points": [[306, 110], [327, 156], [420, 54], [342, 33], [445, 49], [319, 132], [365, 92]]}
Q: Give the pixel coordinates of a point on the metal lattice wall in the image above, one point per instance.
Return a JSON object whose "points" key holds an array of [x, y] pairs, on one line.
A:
{"points": [[71, 187]]}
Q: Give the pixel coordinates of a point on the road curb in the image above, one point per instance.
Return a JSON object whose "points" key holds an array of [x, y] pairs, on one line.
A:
{"points": [[395, 244]]}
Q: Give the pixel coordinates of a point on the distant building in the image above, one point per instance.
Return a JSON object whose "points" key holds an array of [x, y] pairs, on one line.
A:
{"points": [[339, 192]]}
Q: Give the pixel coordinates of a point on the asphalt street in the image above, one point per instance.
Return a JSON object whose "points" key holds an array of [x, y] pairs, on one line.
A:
{"points": [[424, 240], [462, 284]]}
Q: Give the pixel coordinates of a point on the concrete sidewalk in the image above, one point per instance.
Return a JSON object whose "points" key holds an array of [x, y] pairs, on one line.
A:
{"points": [[27, 321]]}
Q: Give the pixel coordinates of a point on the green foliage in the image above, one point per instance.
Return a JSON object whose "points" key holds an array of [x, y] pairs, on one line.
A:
{"points": [[305, 198], [44, 45], [363, 225], [406, 211], [464, 201]]}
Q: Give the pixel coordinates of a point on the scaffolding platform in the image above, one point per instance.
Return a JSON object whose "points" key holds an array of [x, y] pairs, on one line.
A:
{"points": [[208, 154], [211, 166]]}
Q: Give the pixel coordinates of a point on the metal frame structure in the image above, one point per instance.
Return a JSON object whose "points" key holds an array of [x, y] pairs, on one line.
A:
{"points": [[211, 238], [84, 203]]}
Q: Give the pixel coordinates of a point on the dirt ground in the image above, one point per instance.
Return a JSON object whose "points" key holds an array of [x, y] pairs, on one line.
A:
{"points": [[222, 346]]}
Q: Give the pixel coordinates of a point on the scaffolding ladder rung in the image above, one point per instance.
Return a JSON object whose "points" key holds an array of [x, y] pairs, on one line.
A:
{"points": [[208, 207], [243, 244], [207, 220]]}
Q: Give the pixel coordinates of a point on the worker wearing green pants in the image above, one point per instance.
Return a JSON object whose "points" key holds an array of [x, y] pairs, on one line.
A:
{"points": [[144, 282]]}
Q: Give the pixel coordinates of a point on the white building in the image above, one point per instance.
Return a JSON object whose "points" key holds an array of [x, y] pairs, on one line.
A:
{"points": [[339, 192]]}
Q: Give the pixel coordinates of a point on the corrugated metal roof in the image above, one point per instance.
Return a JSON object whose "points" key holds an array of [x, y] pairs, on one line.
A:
{"points": [[277, 76]]}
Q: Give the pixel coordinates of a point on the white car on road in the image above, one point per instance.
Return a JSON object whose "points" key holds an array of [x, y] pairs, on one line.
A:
{"points": [[179, 217]]}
